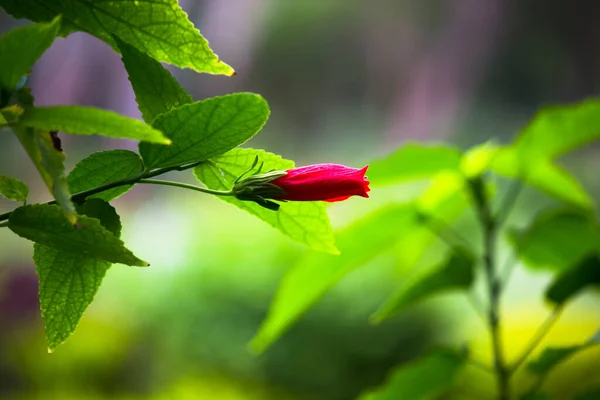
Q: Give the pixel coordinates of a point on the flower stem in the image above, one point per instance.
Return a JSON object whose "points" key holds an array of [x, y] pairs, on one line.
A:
{"points": [[187, 186]]}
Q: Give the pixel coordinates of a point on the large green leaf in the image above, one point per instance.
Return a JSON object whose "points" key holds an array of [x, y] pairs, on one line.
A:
{"points": [[304, 222], [13, 189], [455, 274], [422, 379], [105, 167], [206, 129], [68, 281], [553, 356], [80, 120], [557, 240], [586, 273], [159, 28], [414, 161], [21, 47], [46, 225], [156, 90]]}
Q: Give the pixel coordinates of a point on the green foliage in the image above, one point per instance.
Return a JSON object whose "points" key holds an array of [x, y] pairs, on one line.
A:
{"points": [[590, 395], [572, 281], [156, 90], [105, 167], [160, 29], [20, 49], [69, 281], [13, 189], [456, 273], [553, 356], [423, 379], [304, 222], [206, 129], [556, 240], [46, 225], [90, 121], [413, 161]]}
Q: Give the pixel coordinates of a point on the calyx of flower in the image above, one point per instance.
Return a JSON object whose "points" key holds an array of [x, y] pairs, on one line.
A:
{"points": [[258, 188]]}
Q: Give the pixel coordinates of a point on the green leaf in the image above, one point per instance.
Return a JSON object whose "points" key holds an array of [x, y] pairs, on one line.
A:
{"points": [[553, 356], [105, 167], [68, 281], [455, 274], [586, 273], [556, 240], [476, 160], [46, 225], [13, 189], [206, 129], [21, 47], [80, 120], [413, 161], [156, 90], [422, 379], [159, 28], [304, 222]]}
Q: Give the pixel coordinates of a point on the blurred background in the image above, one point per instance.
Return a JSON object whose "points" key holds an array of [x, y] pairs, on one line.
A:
{"points": [[347, 81]]}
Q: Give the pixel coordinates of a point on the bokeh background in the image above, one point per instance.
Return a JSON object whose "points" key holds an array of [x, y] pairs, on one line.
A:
{"points": [[348, 81]]}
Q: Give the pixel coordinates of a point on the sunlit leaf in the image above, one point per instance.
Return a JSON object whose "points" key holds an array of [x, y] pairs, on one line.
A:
{"points": [[45, 224], [553, 356], [572, 281], [21, 47], [304, 222], [80, 120], [156, 90], [422, 379], [68, 281], [413, 161], [477, 159], [13, 189], [105, 167], [206, 129], [159, 28], [557, 240]]}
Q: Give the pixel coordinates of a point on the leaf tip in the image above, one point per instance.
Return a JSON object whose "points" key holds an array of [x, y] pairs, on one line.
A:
{"points": [[50, 350]]}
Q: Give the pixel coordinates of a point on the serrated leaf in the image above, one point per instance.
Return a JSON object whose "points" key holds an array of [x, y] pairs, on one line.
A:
{"points": [[556, 240], [553, 356], [206, 129], [586, 273], [46, 225], [304, 222], [79, 120], [455, 274], [156, 90], [413, 161], [13, 189], [105, 167], [159, 28], [21, 47], [422, 379], [68, 282]]}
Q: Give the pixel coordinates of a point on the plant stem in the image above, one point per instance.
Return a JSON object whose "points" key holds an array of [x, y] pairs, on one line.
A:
{"points": [[130, 181], [187, 186], [489, 227]]}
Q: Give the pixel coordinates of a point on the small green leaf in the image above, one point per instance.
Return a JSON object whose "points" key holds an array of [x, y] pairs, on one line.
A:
{"points": [[105, 167], [556, 240], [455, 274], [476, 160], [304, 222], [156, 90], [422, 379], [553, 356], [21, 47], [159, 28], [413, 161], [80, 120], [13, 189], [206, 129], [68, 281], [586, 273], [46, 225]]}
